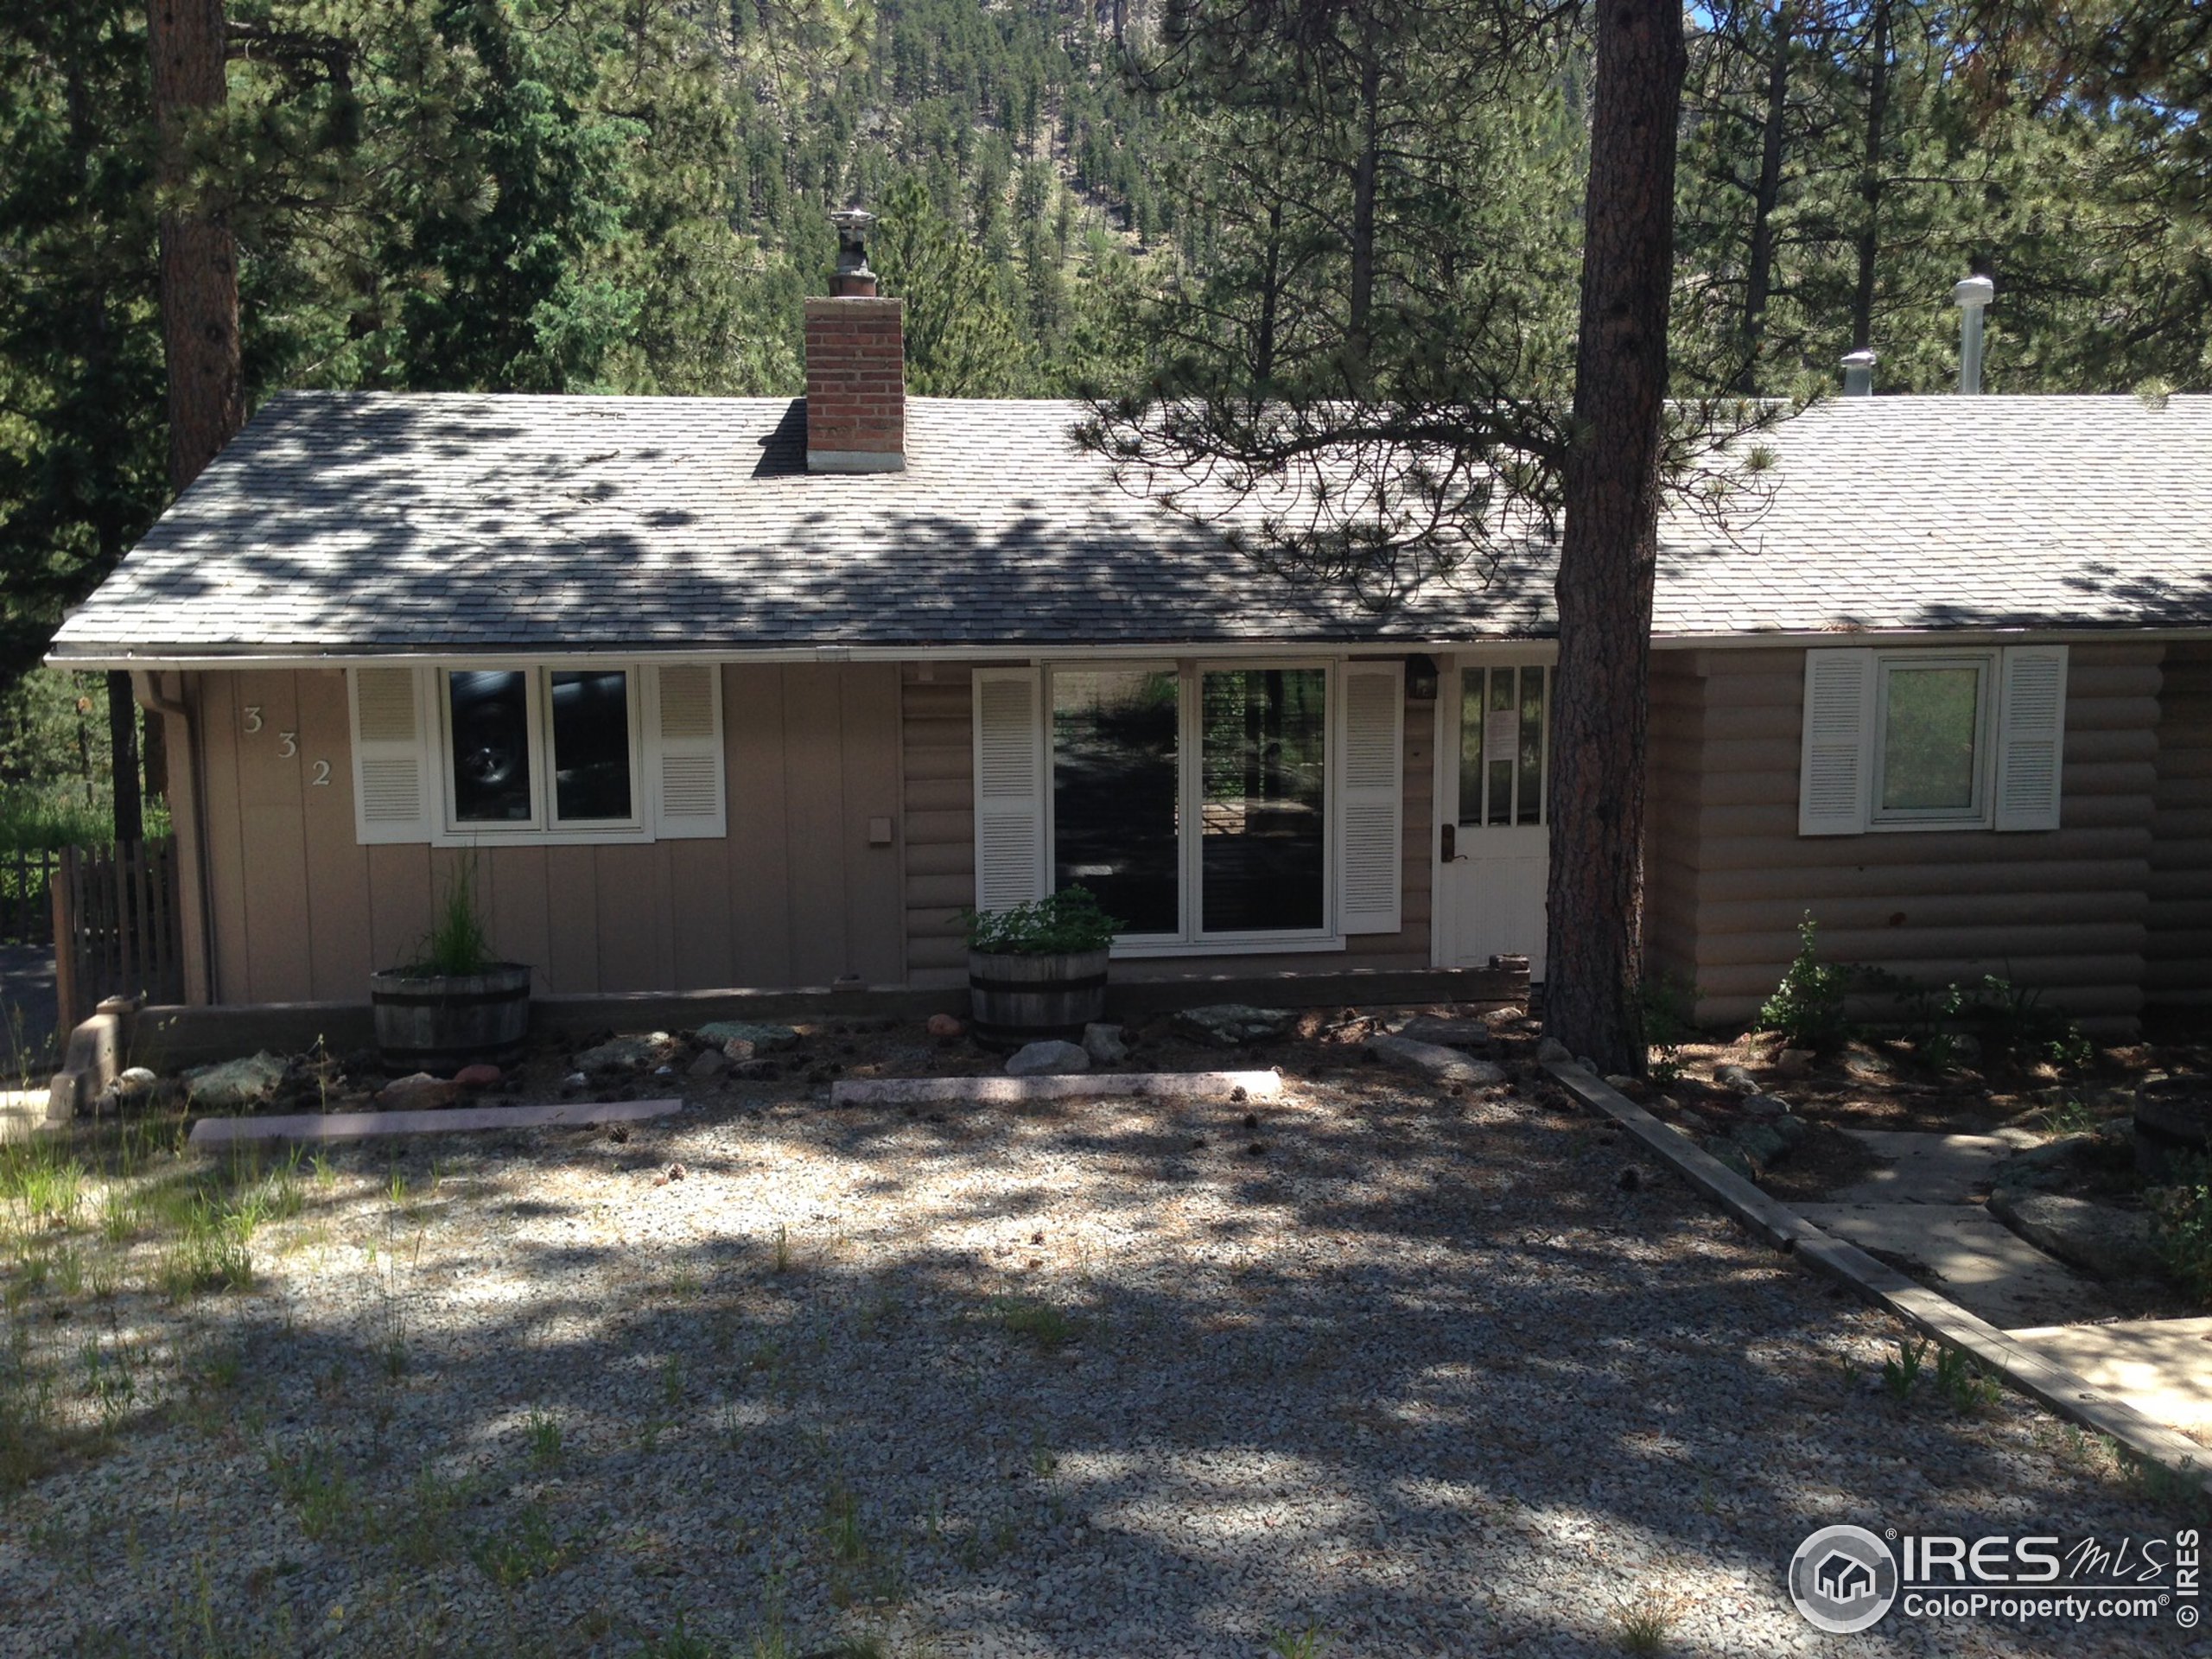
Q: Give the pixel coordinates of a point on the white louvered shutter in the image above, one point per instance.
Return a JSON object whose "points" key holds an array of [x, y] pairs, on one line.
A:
{"points": [[1371, 797], [2031, 736], [1836, 773], [1010, 865], [392, 783], [685, 751]]}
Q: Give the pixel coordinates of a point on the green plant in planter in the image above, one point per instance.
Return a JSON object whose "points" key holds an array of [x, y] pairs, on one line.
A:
{"points": [[1066, 923], [459, 944]]}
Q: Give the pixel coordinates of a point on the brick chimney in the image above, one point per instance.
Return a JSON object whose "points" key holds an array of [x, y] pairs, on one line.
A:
{"points": [[856, 365]]}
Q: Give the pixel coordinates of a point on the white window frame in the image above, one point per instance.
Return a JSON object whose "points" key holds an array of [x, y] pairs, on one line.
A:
{"points": [[1191, 939], [1981, 813], [544, 828]]}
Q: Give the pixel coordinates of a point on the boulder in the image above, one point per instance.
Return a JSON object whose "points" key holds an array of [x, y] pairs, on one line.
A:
{"points": [[1447, 1063], [1765, 1106], [1734, 1077], [737, 1049], [231, 1085], [2099, 1238], [710, 1064], [479, 1076], [1105, 1045], [1551, 1052], [136, 1082], [1232, 1024], [945, 1028], [755, 1070], [420, 1092], [620, 1054], [765, 1039], [1793, 1062], [1445, 1034], [1046, 1059]]}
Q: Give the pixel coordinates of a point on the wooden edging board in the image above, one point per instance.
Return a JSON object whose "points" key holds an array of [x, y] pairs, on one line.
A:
{"points": [[2034, 1374], [1078, 1085], [442, 1119]]}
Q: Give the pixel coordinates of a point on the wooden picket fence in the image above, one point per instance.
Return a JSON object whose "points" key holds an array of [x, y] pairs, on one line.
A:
{"points": [[26, 896], [116, 926]]}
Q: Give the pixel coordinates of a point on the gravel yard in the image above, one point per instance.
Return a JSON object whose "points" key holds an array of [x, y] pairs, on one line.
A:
{"points": [[1415, 1372]]}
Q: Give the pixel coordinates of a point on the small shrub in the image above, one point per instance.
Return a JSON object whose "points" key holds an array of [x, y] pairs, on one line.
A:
{"points": [[1063, 923], [1642, 1626], [1666, 1026], [545, 1431], [523, 1550], [2181, 1228], [1807, 1006], [1308, 1643], [1048, 1326], [1963, 1382], [459, 943], [314, 1485]]}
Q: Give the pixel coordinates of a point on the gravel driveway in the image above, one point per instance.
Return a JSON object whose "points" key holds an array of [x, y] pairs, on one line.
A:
{"points": [[1411, 1371]]}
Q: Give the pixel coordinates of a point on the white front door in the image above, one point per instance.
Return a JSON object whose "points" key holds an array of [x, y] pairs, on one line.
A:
{"points": [[1493, 778]]}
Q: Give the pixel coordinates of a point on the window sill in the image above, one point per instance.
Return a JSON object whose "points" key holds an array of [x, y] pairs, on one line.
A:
{"points": [[1242, 944], [488, 836], [1925, 826]]}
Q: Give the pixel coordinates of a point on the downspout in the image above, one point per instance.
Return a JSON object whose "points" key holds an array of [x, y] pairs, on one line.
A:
{"points": [[151, 698]]}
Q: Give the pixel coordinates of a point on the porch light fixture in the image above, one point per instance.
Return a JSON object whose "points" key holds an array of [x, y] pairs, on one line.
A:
{"points": [[1420, 678]]}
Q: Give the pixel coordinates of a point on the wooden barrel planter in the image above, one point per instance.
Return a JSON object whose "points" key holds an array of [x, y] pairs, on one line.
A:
{"points": [[1027, 999], [2173, 1124], [440, 1022]]}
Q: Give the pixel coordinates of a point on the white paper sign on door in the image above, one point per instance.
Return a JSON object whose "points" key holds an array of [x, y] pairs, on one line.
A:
{"points": [[1502, 733]]}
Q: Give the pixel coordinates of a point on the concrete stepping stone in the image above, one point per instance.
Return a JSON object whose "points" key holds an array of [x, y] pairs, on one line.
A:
{"points": [[1013, 1091], [1448, 1065], [1941, 1169], [359, 1126], [2161, 1367], [1973, 1259]]}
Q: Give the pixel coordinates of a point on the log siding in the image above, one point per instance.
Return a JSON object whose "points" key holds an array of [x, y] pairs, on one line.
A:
{"points": [[2064, 911], [2178, 970]]}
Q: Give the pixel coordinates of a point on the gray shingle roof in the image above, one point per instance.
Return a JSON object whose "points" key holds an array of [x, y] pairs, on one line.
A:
{"points": [[362, 522]]}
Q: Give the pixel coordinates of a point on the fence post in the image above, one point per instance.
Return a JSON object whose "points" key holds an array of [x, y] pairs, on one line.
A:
{"points": [[63, 887]]}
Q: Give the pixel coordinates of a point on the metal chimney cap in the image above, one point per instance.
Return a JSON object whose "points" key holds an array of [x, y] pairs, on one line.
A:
{"points": [[1864, 358], [852, 221], [1974, 291]]}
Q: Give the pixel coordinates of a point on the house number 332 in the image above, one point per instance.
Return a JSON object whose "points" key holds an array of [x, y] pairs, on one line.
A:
{"points": [[288, 747]]}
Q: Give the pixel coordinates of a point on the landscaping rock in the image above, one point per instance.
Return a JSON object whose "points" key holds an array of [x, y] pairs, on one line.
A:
{"points": [[1445, 1034], [479, 1076], [1734, 1077], [945, 1028], [1765, 1106], [420, 1092], [1447, 1063], [710, 1064], [1105, 1045], [755, 1070], [1794, 1062], [231, 1085], [135, 1084], [623, 1054], [1232, 1024], [736, 1049], [1046, 1059], [765, 1039], [1551, 1052], [2099, 1238]]}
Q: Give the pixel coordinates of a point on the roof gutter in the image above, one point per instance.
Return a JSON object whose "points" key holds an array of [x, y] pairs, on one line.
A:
{"points": [[1020, 650]]}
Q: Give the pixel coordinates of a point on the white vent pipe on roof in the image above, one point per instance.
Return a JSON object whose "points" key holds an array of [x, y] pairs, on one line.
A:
{"points": [[1971, 294], [1858, 372]]}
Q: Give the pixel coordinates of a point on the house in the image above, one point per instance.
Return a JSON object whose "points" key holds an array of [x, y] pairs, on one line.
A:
{"points": [[761, 693]]}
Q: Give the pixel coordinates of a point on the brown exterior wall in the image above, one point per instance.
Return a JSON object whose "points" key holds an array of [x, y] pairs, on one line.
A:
{"points": [[939, 761], [795, 896], [2065, 911], [2179, 949]]}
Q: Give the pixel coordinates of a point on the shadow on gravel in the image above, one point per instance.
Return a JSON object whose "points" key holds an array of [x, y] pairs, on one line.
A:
{"points": [[1417, 1373]]}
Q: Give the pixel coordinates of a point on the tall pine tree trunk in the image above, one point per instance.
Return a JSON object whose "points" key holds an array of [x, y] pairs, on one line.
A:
{"points": [[199, 257], [1759, 277], [1609, 551], [200, 318], [1870, 180]]}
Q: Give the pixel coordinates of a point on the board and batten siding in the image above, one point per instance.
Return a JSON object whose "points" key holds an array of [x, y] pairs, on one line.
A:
{"points": [[2063, 911], [2179, 969], [795, 895], [938, 746]]}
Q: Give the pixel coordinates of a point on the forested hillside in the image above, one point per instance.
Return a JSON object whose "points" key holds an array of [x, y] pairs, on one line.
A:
{"points": [[629, 196]]}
